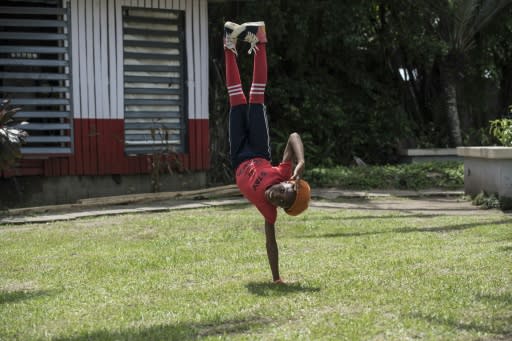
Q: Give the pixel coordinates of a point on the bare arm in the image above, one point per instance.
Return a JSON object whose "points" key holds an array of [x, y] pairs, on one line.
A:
{"points": [[272, 250], [294, 151]]}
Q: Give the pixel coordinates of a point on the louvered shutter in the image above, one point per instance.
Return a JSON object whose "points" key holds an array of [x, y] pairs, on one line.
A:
{"points": [[35, 71], [154, 92]]}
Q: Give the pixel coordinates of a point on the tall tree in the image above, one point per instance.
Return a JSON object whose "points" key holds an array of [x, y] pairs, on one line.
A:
{"points": [[458, 22]]}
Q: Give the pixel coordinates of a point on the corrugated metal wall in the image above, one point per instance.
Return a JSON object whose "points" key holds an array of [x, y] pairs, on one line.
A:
{"points": [[98, 90], [97, 41]]}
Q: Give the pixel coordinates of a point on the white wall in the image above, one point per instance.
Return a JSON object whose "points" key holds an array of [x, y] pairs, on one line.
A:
{"points": [[97, 55]]}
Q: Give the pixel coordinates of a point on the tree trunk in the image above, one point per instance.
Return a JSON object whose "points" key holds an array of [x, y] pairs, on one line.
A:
{"points": [[449, 84]]}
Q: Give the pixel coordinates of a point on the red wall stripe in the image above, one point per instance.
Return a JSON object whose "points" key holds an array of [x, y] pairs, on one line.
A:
{"points": [[77, 145], [99, 150], [93, 156], [193, 140]]}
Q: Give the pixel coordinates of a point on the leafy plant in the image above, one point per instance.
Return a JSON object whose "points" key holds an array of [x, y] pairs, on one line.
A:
{"points": [[407, 176], [501, 129], [488, 201], [11, 138]]}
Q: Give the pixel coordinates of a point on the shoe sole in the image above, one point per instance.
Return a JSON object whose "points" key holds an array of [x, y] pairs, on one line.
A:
{"points": [[256, 27], [254, 23], [230, 25]]}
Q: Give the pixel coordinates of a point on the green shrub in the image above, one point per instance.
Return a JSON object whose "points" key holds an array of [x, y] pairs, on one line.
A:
{"points": [[488, 201], [501, 129], [447, 175]]}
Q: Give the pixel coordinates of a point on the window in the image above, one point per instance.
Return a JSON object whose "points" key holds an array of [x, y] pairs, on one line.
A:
{"points": [[35, 71], [154, 92]]}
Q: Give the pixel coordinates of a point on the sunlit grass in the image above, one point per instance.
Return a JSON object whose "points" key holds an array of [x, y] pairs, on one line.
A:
{"points": [[355, 275]]}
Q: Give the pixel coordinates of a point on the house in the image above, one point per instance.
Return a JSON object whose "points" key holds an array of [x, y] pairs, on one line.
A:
{"points": [[105, 86]]}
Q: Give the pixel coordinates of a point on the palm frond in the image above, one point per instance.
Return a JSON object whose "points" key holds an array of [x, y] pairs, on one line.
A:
{"points": [[11, 138], [488, 10], [461, 20]]}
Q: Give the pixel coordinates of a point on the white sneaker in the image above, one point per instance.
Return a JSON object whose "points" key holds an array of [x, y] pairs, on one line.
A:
{"points": [[231, 32], [252, 33]]}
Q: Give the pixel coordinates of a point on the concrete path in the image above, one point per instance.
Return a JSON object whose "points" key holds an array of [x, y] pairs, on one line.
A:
{"points": [[422, 202]]}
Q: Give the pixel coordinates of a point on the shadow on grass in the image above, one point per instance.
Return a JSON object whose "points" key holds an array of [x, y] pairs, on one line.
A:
{"points": [[270, 289], [230, 207], [178, 331], [346, 234], [451, 228], [437, 229], [504, 299], [497, 325], [402, 215], [22, 295], [506, 248]]}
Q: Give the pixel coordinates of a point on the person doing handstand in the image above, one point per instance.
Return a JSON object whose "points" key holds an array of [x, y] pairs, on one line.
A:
{"points": [[264, 185]]}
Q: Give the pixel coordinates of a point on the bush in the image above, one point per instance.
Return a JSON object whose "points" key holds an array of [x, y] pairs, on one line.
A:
{"points": [[501, 129], [488, 201], [447, 175]]}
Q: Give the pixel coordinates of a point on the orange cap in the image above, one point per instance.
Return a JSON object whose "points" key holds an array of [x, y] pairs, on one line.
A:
{"points": [[303, 195]]}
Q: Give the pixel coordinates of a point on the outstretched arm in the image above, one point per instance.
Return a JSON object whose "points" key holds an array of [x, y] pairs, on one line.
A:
{"points": [[272, 251], [294, 151]]}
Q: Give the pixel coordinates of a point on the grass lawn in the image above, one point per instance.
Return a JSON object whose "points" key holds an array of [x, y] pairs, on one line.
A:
{"points": [[354, 275]]}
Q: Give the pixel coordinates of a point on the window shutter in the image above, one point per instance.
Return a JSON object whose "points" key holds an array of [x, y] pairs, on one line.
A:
{"points": [[154, 92], [35, 71]]}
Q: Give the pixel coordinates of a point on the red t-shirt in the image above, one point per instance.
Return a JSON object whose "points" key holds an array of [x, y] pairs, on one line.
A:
{"points": [[254, 176]]}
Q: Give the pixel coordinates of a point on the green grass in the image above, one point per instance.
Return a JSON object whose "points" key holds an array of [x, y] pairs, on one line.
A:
{"points": [[354, 275]]}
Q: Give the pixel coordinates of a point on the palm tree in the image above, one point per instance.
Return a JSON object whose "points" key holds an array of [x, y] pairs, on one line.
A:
{"points": [[457, 22]]}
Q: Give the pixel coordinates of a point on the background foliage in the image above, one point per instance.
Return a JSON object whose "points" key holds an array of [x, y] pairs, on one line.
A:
{"points": [[415, 176], [336, 76]]}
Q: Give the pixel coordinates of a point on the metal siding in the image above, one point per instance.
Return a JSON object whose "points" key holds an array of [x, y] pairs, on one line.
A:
{"points": [[120, 57], [205, 142], [203, 23], [196, 153], [106, 117], [110, 31]]}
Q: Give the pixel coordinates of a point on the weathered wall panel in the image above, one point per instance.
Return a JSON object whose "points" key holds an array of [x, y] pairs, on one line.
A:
{"points": [[98, 91]]}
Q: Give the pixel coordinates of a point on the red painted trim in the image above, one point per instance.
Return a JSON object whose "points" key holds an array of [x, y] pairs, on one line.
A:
{"points": [[198, 153], [193, 138], [26, 167], [72, 164], [86, 152], [93, 143], [99, 150], [77, 148]]}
